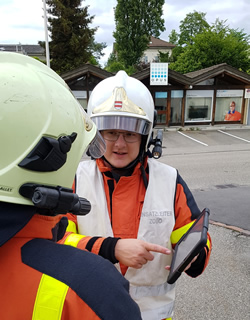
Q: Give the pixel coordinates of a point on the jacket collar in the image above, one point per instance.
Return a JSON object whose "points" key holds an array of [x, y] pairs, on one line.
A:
{"points": [[22, 219], [13, 217]]}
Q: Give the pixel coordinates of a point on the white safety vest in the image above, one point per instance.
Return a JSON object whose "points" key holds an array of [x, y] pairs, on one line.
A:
{"points": [[148, 286]]}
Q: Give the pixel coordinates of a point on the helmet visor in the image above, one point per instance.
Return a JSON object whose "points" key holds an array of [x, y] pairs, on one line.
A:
{"points": [[97, 147], [132, 124]]}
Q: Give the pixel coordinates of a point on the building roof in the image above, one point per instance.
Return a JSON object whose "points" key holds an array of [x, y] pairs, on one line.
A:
{"points": [[222, 69], [29, 49], [78, 72], [176, 77], [158, 43]]}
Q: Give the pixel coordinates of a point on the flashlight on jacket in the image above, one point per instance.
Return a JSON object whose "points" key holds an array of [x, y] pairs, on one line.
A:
{"points": [[157, 150], [60, 201]]}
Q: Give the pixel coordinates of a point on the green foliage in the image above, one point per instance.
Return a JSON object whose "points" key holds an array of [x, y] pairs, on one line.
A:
{"points": [[112, 58], [193, 24], [92, 60], [97, 48], [202, 46], [173, 37], [38, 59], [165, 57], [72, 40], [136, 21], [115, 66], [218, 44]]}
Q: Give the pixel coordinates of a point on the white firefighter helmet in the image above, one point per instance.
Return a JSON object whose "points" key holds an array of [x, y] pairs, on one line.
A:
{"points": [[124, 103], [44, 131]]}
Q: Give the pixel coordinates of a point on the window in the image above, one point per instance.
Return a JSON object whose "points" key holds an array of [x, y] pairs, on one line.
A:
{"points": [[176, 103], [223, 100], [198, 105], [160, 106]]}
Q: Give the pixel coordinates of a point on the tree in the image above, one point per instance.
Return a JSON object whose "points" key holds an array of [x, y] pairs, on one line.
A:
{"points": [[136, 21], [113, 65], [165, 56], [173, 37], [193, 24], [71, 37], [96, 49], [218, 44]]}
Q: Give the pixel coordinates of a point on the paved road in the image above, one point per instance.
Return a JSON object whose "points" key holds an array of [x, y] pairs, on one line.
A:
{"points": [[222, 292], [216, 166], [218, 173]]}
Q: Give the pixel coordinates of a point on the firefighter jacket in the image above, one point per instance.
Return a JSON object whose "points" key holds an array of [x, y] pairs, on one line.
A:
{"points": [[43, 280], [161, 214]]}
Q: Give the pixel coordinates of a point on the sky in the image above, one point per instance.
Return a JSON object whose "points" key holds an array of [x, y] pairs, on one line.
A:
{"points": [[21, 21]]}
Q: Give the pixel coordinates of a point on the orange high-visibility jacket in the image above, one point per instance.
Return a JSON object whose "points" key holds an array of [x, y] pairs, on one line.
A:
{"points": [[125, 199], [41, 279]]}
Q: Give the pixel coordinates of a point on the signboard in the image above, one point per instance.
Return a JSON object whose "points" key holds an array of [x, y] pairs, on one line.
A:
{"points": [[158, 74], [229, 93]]}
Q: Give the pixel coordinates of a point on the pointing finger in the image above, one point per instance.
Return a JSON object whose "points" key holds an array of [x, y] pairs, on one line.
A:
{"points": [[157, 248]]}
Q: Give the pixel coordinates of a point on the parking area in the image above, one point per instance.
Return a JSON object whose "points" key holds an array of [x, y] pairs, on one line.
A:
{"points": [[192, 141], [215, 164]]}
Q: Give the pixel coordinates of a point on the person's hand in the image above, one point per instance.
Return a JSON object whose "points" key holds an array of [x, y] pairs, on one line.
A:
{"points": [[135, 253], [188, 266]]}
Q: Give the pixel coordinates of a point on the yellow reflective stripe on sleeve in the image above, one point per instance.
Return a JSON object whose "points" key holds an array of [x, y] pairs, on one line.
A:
{"points": [[52, 292], [73, 239], [71, 227], [50, 299], [178, 233], [208, 244]]}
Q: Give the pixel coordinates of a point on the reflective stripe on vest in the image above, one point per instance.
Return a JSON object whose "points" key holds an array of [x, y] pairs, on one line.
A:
{"points": [[51, 292]]}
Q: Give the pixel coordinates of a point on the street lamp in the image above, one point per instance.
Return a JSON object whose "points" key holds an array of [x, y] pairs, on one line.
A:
{"points": [[46, 33]]}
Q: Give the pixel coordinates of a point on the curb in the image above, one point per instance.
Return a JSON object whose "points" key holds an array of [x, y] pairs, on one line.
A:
{"points": [[202, 127], [233, 228]]}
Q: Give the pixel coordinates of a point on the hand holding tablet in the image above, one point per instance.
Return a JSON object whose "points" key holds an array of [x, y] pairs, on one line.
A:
{"points": [[189, 246]]}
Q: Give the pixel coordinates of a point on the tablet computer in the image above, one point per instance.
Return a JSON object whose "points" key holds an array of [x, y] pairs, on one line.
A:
{"points": [[189, 246]]}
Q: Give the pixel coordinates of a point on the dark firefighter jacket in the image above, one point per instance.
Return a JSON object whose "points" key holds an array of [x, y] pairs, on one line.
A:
{"points": [[41, 279]]}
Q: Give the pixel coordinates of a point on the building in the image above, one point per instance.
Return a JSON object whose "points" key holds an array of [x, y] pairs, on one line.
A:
{"points": [[32, 50], [197, 98], [83, 80], [156, 45]]}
